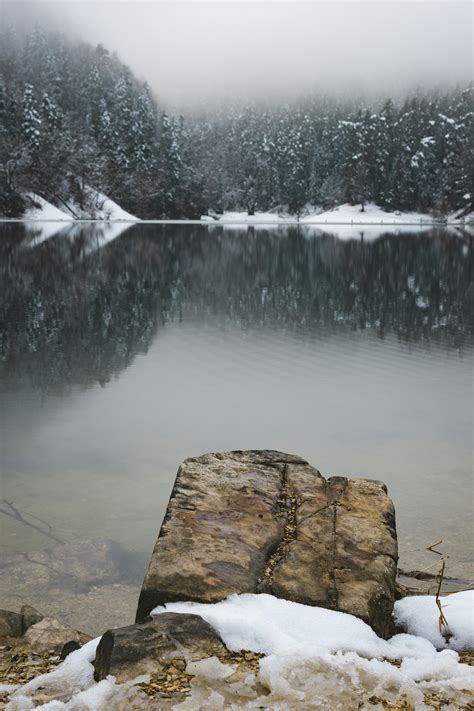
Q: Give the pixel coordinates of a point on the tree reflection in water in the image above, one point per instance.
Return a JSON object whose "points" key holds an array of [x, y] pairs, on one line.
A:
{"points": [[79, 302]]}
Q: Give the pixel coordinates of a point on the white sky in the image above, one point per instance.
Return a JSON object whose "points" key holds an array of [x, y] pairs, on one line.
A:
{"points": [[198, 50]]}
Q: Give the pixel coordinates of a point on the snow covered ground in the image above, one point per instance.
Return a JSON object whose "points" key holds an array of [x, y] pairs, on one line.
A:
{"points": [[343, 216], [263, 623], [372, 214], [315, 658], [41, 209], [349, 220], [97, 206]]}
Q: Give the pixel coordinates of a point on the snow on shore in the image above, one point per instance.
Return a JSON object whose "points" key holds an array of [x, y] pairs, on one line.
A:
{"points": [[419, 616], [263, 623], [97, 206], [344, 215], [372, 214], [315, 657], [41, 209]]}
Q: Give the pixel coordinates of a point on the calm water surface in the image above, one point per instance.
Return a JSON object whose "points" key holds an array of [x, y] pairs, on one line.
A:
{"points": [[122, 354]]}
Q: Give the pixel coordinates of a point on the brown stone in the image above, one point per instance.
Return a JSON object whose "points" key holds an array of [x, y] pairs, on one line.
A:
{"points": [[10, 624], [29, 617], [265, 521], [138, 649]]}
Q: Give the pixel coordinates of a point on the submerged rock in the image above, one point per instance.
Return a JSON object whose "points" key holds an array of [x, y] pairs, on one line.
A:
{"points": [[127, 652], [90, 585], [265, 521], [77, 566]]}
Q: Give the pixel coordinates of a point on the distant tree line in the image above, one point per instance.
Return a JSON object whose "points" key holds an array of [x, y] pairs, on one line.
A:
{"points": [[72, 116]]}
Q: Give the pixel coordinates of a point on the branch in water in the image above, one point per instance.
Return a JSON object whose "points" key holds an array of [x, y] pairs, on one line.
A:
{"points": [[13, 512]]}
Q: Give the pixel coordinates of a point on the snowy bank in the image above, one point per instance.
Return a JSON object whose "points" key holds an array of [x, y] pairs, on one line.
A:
{"points": [[263, 623], [314, 656], [419, 615], [96, 206], [372, 214], [41, 209], [345, 214]]}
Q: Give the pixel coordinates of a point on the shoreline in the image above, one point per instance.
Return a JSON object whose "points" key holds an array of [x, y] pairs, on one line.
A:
{"points": [[248, 222]]}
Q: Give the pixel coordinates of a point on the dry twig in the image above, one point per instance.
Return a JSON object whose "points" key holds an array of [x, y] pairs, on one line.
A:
{"points": [[442, 621]]}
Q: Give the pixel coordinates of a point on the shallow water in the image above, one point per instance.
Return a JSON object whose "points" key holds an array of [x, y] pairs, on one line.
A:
{"points": [[123, 353]]}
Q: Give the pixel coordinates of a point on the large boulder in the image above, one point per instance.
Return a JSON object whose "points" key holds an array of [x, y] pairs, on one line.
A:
{"points": [[138, 649], [265, 521]]}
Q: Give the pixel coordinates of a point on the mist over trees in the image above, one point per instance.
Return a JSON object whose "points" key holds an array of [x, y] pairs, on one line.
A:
{"points": [[73, 116]]}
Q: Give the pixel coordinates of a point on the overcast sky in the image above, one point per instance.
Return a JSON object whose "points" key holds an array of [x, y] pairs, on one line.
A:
{"points": [[197, 50]]}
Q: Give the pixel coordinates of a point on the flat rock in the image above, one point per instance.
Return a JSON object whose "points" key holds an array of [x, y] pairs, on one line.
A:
{"points": [[10, 624], [266, 521], [138, 649]]}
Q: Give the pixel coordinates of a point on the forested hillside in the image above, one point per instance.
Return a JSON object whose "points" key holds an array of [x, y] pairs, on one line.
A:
{"points": [[73, 116]]}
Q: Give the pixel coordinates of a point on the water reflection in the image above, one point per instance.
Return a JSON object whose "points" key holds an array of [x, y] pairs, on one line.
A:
{"points": [[82, 304]]}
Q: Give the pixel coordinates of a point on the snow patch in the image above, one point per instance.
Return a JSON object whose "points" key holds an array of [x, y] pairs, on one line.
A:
{"points": [[263, 623], [419, 615], [74, 675], [347, 221], [372, 214], [97, 206], [41, 209]]}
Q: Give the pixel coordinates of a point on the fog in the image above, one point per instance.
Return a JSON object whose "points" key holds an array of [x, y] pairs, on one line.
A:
{"points": [[192, 52]]}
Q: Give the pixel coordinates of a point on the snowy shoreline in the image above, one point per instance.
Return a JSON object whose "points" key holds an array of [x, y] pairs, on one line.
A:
{"points": [[245, 221], [103, 210], [305, 653]]}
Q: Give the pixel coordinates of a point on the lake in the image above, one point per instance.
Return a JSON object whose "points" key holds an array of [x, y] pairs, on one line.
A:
{"points": [[125, 349]]}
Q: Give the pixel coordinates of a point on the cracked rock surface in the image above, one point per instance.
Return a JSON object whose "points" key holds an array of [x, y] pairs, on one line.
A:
{"points": [[266, 521]]}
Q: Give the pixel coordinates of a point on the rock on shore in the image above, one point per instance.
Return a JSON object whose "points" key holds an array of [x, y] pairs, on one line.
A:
{"points": [[266, 521], [142, 648]]}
